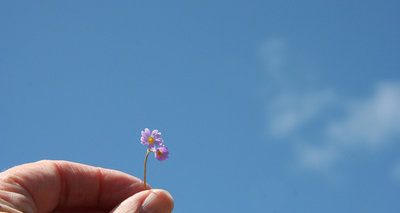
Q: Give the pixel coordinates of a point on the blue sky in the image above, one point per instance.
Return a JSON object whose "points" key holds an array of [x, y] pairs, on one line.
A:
{"points": [[265, 106]]}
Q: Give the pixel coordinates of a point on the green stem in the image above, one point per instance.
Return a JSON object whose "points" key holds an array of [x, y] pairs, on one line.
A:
{"points": [[145, 164]]}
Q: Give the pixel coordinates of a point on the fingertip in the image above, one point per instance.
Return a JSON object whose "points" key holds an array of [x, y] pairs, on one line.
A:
{"points": [[147, 201], [158, 200]]}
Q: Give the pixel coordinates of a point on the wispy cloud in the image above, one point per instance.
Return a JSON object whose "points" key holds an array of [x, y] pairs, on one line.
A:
{"points": [[289, 111], [317, 158], [289, 108], [274, 53], [365, 124], [368, 124], [372, 121]]}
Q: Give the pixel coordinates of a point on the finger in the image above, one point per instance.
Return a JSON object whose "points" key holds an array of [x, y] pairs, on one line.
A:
{"points": [[47, 185], [149, 201]]}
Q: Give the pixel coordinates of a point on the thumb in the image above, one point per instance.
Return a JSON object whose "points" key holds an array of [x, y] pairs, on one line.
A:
{"points": [[148, 201]]}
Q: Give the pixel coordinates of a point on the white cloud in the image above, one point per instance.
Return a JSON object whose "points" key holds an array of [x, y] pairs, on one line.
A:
{"points": [[317, 158], [288, 108], [366, 124], [288, 112], [370, 123], [273, 52]]}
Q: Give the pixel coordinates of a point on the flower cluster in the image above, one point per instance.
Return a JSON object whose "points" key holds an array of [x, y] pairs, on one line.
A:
{"points": [[154, 143]]}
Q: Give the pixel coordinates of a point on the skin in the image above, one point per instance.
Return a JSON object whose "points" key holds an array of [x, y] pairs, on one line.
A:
{"points": [[61, 186]]}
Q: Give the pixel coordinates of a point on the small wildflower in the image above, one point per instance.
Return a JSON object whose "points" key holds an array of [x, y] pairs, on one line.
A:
{"points": [[153, 142], [161, 153]]}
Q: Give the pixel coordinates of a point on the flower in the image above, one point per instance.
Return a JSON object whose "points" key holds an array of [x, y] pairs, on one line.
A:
{"points": [[161, 153], [154, 143], [151, 140]]}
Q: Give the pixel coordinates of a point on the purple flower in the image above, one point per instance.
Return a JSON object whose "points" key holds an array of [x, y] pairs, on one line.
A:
{"points": [[161, 153], [151, 140]]}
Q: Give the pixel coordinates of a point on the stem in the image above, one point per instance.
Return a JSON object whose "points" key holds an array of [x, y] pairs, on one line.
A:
{"points": [[145, 164]]}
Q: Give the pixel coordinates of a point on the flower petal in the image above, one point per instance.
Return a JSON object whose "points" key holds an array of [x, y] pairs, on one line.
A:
{"points": [[157, 135], [154, 133], [158, 141], [147, 132]]}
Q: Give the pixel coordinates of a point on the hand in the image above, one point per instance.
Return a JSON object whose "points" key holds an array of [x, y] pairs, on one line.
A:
{"points": [[61, 186]]}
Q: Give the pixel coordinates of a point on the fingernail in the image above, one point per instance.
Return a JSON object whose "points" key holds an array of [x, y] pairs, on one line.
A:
{"points": [[158, 201]]}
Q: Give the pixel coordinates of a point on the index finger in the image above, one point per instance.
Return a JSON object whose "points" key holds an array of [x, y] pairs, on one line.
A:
{"points": [[47, 185]]}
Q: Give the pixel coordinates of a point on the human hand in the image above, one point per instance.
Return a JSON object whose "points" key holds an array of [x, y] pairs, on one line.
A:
{"points": [[61, 186]]}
